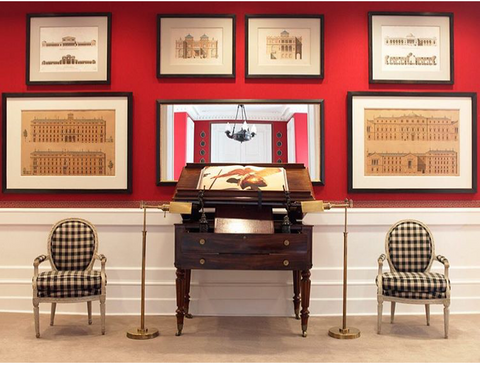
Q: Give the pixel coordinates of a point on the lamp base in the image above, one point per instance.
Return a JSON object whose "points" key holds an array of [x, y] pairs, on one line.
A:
{"points": [[138, 333], [347, 333]]}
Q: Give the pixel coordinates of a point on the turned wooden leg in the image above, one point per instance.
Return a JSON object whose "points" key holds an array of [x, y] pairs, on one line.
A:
{"points": [[427, 312], [180, 285], [89, 311], [305, 299], [296, 294], [392, 312], [52, 313], [102, 312], [379, 316], [36, 315], [446, 316], [188, 276]]}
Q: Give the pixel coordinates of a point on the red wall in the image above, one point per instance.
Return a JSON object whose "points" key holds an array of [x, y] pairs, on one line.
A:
{"points": [[202, 137], [301, 138], [279, 137], [179, 145], [134, 69]]}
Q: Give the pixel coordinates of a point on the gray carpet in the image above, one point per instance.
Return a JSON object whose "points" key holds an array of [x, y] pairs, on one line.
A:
{"points": [[238, 339]]}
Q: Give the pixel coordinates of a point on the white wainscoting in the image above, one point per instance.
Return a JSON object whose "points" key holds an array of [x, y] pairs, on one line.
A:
{"points": [[23, 235]]}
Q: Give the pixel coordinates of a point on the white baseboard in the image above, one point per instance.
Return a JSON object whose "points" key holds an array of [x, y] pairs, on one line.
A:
{"points": [[23, 235]]}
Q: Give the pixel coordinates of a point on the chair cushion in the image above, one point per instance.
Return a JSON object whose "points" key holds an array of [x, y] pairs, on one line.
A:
{"points": [[72, 246], [410, 247], [415, 295], [414, 282], [69, 283]]}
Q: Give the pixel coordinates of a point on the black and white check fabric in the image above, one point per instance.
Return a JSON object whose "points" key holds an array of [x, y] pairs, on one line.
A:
{"points": [[410, 247], [415, 295], [69, 283], [427, 282], [72, 246]]}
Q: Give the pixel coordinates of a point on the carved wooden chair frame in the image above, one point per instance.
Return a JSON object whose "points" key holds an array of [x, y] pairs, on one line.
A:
{"points": [[54, 300], [427, 302]]}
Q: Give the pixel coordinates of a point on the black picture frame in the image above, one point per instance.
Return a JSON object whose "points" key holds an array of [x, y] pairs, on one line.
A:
{"points": [[230, 75], [160, 102], [353, 186], [103, 80], [397, 80], [319, 17], [128, 96]]}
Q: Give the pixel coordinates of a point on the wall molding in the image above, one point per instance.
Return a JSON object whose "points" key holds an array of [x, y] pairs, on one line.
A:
{"points": [[237, 293]]}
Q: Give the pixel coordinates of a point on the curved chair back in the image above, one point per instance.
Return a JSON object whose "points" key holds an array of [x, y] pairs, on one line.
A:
{"points": [[409, 246], [72, 244]]}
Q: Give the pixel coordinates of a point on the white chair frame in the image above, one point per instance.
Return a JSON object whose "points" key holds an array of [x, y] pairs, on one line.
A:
{"points": [[427, 302], [54, 300]]}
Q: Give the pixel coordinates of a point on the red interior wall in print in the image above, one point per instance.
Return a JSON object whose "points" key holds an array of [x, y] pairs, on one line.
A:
{"points": [[180, 141], [201, 151], [133, 68], [279, 142], [301, 138]]}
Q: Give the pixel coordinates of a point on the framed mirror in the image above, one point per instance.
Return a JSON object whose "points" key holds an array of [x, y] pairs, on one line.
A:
{"points": [[239, 131]]}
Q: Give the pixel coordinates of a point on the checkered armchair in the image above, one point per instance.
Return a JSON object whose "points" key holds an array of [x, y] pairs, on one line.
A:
{"points": [[410, 251], [72, 251]]}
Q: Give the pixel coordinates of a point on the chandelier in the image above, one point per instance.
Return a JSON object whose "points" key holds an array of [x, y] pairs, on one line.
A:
{"points": [[244, 134]]}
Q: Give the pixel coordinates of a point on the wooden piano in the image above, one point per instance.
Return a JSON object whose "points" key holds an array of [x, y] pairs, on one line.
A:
{"points": [[248, 228]]}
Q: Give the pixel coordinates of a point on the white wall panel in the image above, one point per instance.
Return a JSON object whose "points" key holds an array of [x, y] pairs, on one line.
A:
{"points": [[23, 235]]}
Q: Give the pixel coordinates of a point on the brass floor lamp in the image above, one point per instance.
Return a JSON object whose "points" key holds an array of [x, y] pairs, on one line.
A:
{"points": [[173, 207], [319, 206], [344, 332]]}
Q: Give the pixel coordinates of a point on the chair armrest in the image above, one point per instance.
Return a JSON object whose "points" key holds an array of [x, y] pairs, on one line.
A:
{"points": [[37, 261], [101, 258], [445, 262], [379, 277]]}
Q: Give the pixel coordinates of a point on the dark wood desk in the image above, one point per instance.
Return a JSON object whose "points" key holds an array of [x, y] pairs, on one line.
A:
{"points": [[278, 251]]}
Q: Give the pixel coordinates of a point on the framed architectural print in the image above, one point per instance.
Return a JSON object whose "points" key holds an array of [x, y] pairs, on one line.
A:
{"points": [[284, 46], [196, 46], [415, 48], [67, 142], [69, 48], [412, 142]]}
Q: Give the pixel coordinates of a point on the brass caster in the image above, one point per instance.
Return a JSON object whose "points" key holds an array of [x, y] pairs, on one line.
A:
{"points": [[51, 324], [179, 333], [297, 316], [304, 334], [37, 335], [188, 316], [89, 322]]}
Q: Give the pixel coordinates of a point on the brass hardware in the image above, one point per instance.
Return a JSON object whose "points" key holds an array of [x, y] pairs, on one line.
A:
{"points": [[138, 333], [202, 241], [286, 262], [319, 206], [202, 261], [348, 333], [172, 207], [244, 238], [286, 243]]}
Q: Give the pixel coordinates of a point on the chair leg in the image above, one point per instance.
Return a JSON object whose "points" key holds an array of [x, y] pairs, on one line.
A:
{"points": [[89, 310], [36, 315], [446, 316], [102, 313], [379, 317], [52, 313], [427, 311], [392, 312]]}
